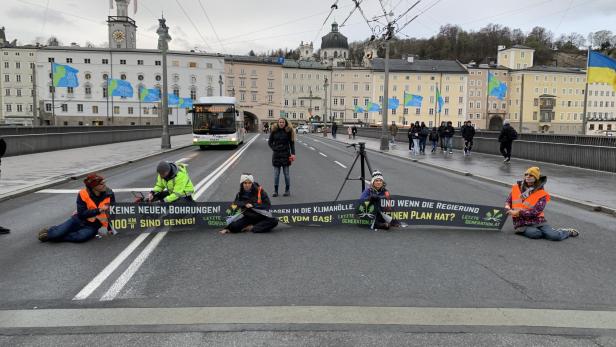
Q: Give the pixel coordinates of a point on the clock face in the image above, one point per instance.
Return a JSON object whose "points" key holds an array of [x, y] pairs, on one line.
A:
{"points": [[118, 36]]}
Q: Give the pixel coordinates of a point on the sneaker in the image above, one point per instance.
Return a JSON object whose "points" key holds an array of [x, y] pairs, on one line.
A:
{"points": [[507, 160], [42, 235], [275, 194], [287, 193], [225, 231], [572, 232], [247, 228], [4, 230]]}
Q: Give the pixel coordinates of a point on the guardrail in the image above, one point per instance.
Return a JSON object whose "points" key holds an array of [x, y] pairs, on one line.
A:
{"points": [[590, 152], [44, 139]]}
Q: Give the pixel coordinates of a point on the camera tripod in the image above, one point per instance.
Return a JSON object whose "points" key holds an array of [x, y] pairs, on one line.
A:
{"points": [[361, 154]]}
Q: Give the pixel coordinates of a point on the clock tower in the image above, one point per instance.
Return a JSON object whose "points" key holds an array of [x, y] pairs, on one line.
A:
{"points": [[122, 28]]}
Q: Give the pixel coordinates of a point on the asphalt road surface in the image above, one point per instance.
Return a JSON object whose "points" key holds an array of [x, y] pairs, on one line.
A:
{"points": [[454, 287]]}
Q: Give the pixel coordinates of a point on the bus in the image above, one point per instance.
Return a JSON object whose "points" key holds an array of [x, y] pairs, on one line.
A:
{"points": [[217, 121]]}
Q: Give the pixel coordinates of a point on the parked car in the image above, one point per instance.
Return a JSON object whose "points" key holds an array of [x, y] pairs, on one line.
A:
{"points": [[303, 129]]}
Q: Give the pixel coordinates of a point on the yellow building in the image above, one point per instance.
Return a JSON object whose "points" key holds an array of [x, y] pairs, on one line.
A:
{"points": [[303, 90], [479, 101], [601, 110], [348, 88], [516, 57], [422, 77]]}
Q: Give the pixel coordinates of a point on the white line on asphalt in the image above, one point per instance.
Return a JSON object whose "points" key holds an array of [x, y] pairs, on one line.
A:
{"points": [[182, 160], [109, 269], [312, 148], [98, 280], [74, 191], [339, 163], [132, 269], [323, 154]]}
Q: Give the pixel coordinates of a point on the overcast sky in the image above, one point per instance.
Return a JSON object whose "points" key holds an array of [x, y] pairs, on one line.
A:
{"points": [[261, 25]]}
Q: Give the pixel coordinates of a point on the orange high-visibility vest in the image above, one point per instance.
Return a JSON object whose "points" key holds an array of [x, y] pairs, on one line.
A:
{"points": [[526, 204], [102, 217], [259, 195]]}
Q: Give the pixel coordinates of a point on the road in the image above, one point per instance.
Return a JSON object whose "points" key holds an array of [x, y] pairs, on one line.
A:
{"points": [[416, 268]]}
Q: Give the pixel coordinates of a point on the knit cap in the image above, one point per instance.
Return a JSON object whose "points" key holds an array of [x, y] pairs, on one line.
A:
{"points": [[92, 180], [534, 171], [377, 175], [247, 177]]}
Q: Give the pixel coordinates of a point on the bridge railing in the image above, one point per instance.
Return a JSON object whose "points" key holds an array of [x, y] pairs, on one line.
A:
{"points": [[590, 152]]}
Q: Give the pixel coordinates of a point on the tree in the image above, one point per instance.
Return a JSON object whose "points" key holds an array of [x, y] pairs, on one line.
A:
{"points": [[252, 53], [53, 42]]}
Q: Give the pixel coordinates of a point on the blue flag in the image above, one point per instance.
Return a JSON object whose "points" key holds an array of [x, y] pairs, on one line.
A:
{"points": [[64, 76], [280, 60], [393, 103], [359, 109], [496, 88], [374, 107], [172, 99], [439, 100], [120, 88], [185, 103], [412, 100], [149, 95]]}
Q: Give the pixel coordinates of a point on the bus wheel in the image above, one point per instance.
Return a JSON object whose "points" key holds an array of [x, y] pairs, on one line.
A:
{"points": [[203, 147]]}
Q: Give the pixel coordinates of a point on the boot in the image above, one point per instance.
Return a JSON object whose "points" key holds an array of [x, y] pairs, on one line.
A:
{"points": [[286, 191], [275, 191], [42, 235]]}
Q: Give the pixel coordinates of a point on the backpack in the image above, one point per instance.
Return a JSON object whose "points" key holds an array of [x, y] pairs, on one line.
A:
{"points": [[514, 134]]}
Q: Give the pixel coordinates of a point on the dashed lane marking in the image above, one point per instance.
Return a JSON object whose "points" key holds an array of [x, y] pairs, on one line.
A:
{"points": [[323, 154], [339, 163], [312, 148]]}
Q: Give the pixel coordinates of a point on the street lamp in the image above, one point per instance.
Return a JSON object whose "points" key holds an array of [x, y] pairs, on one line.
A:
{"points": [[163, 46], [325, 85], [220, 83]]}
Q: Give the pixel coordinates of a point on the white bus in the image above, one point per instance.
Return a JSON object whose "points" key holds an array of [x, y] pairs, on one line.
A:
{"points": [[217, 121]]}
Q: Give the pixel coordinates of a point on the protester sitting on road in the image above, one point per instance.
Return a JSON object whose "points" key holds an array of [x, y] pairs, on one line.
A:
{"points": [[92, 213], [255, 205], [172, 183], [526, 203], [375, 193]]}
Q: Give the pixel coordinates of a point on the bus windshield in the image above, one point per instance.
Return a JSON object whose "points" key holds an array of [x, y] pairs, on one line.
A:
{"points": [[214, 119]]}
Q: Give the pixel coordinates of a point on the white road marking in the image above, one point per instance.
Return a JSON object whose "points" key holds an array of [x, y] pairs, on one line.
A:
{"points": [[312, 148], [75, 191], [182, 160], [339, 163], [126, 276], [323, 154]]}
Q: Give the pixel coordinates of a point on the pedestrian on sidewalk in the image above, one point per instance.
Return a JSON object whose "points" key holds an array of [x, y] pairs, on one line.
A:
{"points": [[172, 183], [424, 132], [448, 133], [354, 130], [434, 137], [441, 131], [468, 133], [506, 138], [409, 134], [415, 136], [282, 143], [374, 194], [526, 204], [255, 205], [334, 129], [350, 132], [92, 214], [393, 131]]}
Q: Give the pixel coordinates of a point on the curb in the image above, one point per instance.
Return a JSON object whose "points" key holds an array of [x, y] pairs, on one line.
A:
{"points": [[587, 206], [75, 176]]}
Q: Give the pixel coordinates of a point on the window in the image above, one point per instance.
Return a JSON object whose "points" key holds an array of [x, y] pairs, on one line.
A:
{"points": [[105, 95], [70, 90], [192, 64], [88, 76], [105, 61], [64, 107], [157, 62], [9, 108], [6, 64], [158, 78], [94, 109], [69, 60], [18, 77], [50, 60], [20, 108], [139, 62], [116, 109], [86, 61], [105, 77], [47, 107], [123, 76], [417, 111], [18, 92], [79, 107], [254, 96], [18, 66], [7, 78], [52, 89], [431, 111], [193, 93], [146, 110], [208, 65], [130, 110], [7, 92], [270, 113]]}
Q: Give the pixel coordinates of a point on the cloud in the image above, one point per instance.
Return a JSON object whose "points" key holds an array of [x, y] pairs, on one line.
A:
{"points": [[39, 16]]}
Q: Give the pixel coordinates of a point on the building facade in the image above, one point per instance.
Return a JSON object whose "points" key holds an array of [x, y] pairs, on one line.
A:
{"points": [[601, 110], [351, 87], [303, 84], [485, 111], [334, 48], [516, 57], [17, 98]]}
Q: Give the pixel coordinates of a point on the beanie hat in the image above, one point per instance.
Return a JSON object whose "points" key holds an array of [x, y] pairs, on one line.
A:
{"points": [[247, 177], [376, 175], [534, 171], [92, 180], [506, 121], [163, 168]]}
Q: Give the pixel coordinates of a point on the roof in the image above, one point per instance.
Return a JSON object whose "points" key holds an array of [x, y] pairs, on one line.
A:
{"points": [[553, 69], [334, 39], [125, 50], [252, 59], [303, 64], [521, 47], [423, 66]]}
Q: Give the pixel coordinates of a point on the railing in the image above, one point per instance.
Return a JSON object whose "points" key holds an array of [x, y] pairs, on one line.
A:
{"points": [[591, 152]]}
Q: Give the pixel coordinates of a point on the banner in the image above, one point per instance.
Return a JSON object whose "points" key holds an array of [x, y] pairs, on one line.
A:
{"points": [[172, 99], [64, 76], [412, 100], [149, 94], [120, 88], [496, 87], [185, 103], [393, 103], [407, 210]]}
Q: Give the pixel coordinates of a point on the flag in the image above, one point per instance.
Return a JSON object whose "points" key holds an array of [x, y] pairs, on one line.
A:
{"points": [[134, 6], [149, 95], [601, 69], [185, 103], [495, 87], [393, 103], [439, 101], [359, 109], [172, 99], [111, 4], [64, 76], [280, 60], [120, 88], [412, 100], [374, 107]]}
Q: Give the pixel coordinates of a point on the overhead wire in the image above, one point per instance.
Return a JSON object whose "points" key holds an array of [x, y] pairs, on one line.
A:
{"points": [[193, 24], [212, 26]]}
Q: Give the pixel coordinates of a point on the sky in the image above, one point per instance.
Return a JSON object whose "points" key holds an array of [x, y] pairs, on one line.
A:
{"points": [[238, 26]]}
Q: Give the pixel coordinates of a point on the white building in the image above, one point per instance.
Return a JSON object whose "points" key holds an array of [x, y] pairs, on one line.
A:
{"points": [[601, 110], [16, 97], [334, 48], [303, 90]]}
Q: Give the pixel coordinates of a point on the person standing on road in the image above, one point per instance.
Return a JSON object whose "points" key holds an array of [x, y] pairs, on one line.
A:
{"points": [[448, 133], [468, 133], [92, 214], [374, 194], [424, 132], [393, 130], [354, 131], [172, 183], [282, 143], [334, 129], [506, 138], [441, 130], [526, 203], [3, 230], [409, 134], [416, 129], [350, 132], [255, 204]]}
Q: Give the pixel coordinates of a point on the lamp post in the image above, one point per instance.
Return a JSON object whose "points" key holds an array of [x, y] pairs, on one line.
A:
{"points": [[163, 46], [220, 83], [325, 85]]}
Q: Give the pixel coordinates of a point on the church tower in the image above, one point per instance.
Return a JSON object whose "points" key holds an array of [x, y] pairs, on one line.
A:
{"points": [[122, 28], [305, 51]]}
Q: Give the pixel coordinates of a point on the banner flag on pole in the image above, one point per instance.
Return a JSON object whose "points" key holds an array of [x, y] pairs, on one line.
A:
{"points": [[149, 94], [412, 100], [185, 103], [359, 109], [393, 103], [120, 88], [374, 107], [64, 76], [439, 100], [495, 87], [601, 69], [172, 99]]}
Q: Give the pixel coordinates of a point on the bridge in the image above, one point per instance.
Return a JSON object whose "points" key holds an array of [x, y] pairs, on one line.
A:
{"points": [[306, 284]]}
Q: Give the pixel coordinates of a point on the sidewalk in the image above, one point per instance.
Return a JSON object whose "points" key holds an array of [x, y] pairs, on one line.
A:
{"points": [[593, 188], [25, 173]]}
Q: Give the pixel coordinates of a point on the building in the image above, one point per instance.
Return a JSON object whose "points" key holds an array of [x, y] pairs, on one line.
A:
{"points": [[516, 57], [17, 98], [422, 77], [121, 28], [334, 48], [303, 85], [485, 111], [306, 51], [256, 82], [600, 111], [351, 87]]}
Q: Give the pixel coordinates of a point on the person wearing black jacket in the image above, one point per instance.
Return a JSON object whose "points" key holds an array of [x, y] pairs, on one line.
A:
{"points": [[424, 132], [282, 143], [506, 138], [441, 130], [92, 213], [468, 133], [448, 133], [3, 230], [354, 131], [434, 138], [255, 205]]}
